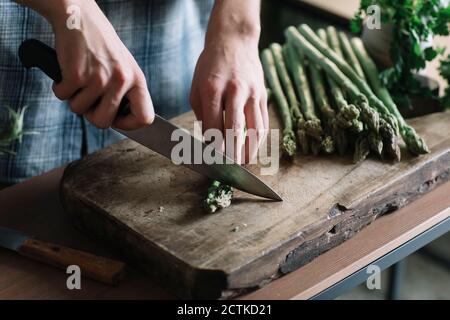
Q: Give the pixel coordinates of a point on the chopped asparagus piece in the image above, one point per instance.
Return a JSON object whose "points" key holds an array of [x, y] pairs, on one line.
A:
{"points": [[219, 197]]}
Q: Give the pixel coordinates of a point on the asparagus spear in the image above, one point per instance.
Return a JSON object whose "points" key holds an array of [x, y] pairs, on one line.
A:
{"points": [[362, 85], [299, 120], [369, 115], [348, 114], [390, 141], [414, 142], [333, 40], [289, 145], [219, 197], [313, 125], [350, 54], [362, 149], [376, 143], [340, 138], [286, 82], [294, 68]]}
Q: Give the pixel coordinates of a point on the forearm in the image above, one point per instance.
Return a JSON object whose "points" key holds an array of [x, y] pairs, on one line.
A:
{"points": [[235, 18], [56, 11]]}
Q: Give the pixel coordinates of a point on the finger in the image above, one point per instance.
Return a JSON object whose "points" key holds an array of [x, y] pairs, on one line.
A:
{"points": [[141, 107], [85, 99], [255, 128], [234, 122], [212, 113], [265, 113], [64, 92], [196, 103], [103, 114], [68, 86]]}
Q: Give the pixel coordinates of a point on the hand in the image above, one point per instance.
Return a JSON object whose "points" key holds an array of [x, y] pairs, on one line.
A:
{"points": [[98, 71], [228, 91]]}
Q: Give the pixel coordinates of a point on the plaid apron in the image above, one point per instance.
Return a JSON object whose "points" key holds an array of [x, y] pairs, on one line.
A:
{"points": [[165, 37]]}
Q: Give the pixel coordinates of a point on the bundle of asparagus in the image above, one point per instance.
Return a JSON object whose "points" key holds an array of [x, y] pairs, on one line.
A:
{"points": [[343, 105]]}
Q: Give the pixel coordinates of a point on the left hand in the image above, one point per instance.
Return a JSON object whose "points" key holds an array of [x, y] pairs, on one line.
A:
{"points": [[228, 92]]}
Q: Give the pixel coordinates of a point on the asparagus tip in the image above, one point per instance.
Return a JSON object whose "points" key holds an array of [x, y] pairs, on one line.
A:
{"points": [[314, 129], [414, 142], [328, 145], [289, 145]]}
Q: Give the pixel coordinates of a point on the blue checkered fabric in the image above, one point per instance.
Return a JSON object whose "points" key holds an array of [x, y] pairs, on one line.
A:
{"points": [[165, 37]]}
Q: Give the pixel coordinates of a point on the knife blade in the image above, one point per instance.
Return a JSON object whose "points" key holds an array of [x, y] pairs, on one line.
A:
{"points": [[157, 136], [98, 268]]}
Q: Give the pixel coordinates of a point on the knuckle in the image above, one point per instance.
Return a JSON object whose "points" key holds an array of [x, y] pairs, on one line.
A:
{"points": [[212, 88], [77, 77], [253, 97], [100, 80], [236, 85], [120, 76], [140, 79], [237, 126]]}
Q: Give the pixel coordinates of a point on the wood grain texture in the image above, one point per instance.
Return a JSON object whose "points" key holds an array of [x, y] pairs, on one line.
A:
{"points": [[98, 268], [140, 203]]}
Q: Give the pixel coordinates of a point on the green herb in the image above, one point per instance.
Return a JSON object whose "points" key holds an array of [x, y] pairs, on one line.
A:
{"points": [[414, 23], [14, 132]]}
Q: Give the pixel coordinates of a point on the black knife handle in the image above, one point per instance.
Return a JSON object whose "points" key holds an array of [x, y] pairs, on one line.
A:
{"points": [[36, 54]]}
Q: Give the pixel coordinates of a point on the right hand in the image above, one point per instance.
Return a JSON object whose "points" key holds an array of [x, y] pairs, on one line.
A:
{"points": [[98, 71]]}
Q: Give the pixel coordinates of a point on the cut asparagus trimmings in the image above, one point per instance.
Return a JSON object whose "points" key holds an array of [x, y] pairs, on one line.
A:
{"points": [[289, 146], [219, 197], [414, 142]]}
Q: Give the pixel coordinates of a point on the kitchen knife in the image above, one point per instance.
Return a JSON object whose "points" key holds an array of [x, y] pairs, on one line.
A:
{"points": [[94, 267], [157, 136]]}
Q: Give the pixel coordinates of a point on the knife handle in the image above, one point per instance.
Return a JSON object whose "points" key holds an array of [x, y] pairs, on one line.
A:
{"points": [[94, 267], [36, 54]]}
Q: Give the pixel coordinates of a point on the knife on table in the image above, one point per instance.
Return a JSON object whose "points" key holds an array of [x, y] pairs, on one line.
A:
{"points": [[94, 267], [156, 136]]}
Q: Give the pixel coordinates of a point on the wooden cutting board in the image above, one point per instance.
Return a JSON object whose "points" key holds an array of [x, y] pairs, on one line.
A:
{"points": [[151, 210]]}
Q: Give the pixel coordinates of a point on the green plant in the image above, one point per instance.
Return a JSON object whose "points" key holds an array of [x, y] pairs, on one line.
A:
{"points": [[414, 23], [14, 132]]}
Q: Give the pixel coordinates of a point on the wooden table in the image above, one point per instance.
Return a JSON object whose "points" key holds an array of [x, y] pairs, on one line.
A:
{"points": [[34, 208]]}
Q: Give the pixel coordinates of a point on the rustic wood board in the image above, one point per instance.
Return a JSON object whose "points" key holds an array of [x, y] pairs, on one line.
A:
{"points": [[151, 210]]}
